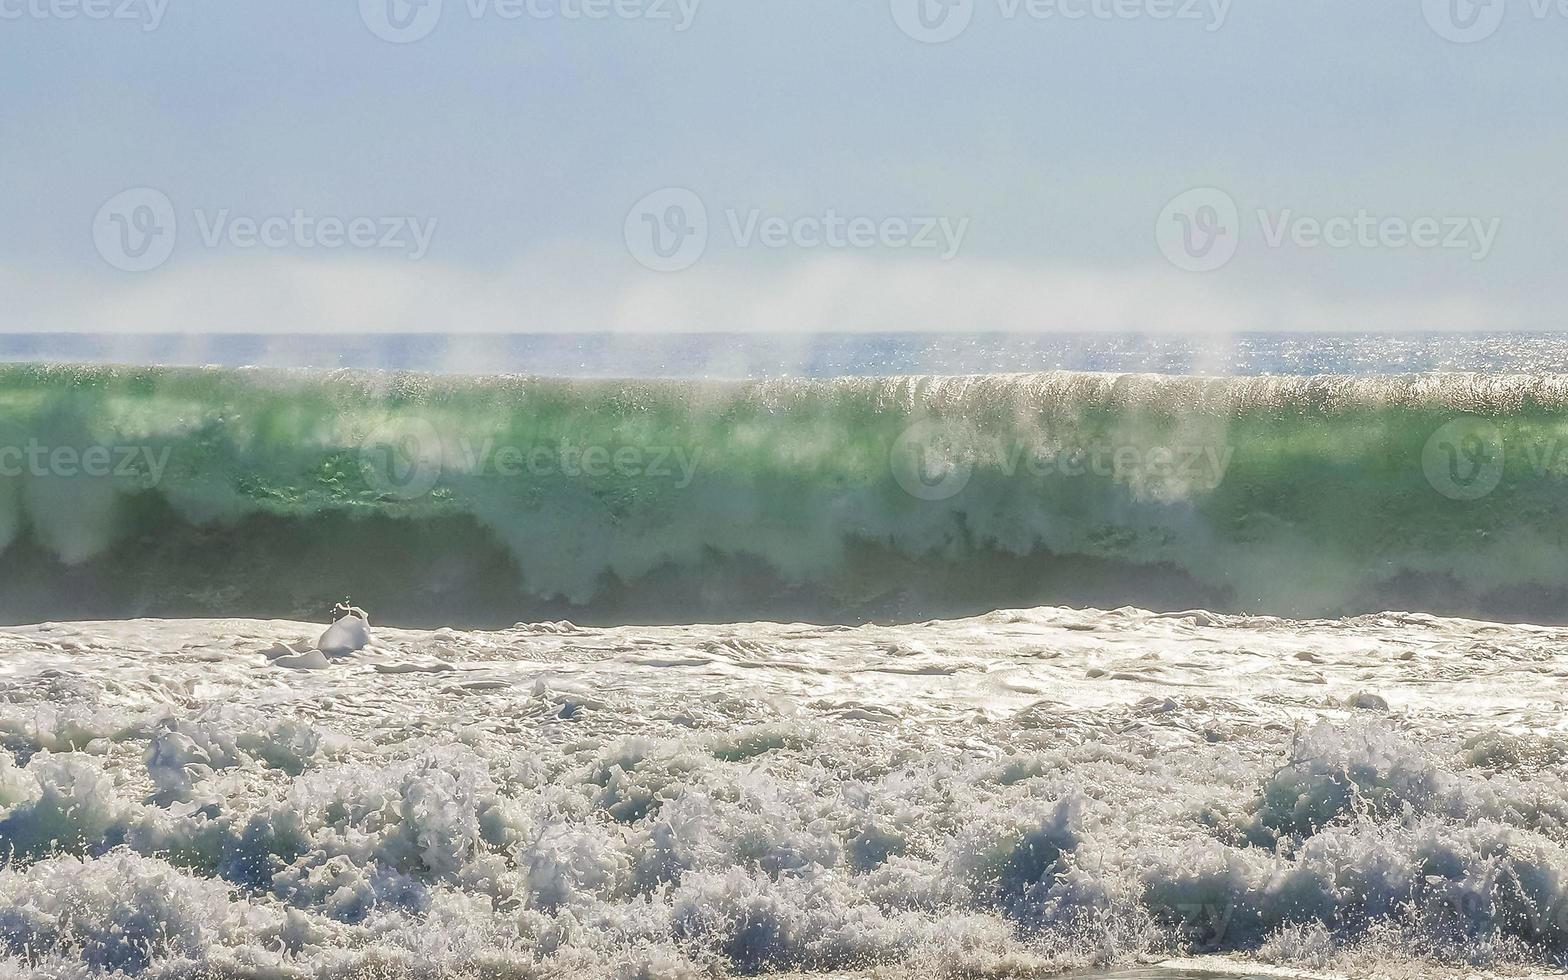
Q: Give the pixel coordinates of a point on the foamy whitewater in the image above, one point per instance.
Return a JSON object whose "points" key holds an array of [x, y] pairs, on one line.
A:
{"points": [[1023, 791]]}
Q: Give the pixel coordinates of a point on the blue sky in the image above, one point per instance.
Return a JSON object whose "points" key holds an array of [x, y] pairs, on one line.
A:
{"points": [[1014, 176]]}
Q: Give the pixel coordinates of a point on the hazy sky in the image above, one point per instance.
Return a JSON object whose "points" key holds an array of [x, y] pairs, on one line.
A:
{"points": [[782, 164]]}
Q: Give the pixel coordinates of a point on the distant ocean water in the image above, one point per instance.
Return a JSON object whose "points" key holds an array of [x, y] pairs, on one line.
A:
{"points": [[736, 356]]}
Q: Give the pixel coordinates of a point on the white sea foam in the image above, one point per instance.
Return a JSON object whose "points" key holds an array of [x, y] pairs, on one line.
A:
{"points": [[1021, 791]]}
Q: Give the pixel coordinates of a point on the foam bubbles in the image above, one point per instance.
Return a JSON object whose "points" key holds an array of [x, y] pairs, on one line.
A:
{"points": [[947, 798]]}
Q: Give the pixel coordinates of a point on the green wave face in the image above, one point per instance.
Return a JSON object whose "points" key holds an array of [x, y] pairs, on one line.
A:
{"points": [[249, 492]]}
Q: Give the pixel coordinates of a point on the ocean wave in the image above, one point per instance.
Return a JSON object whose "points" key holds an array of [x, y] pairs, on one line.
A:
{"points": [[487, 500]]}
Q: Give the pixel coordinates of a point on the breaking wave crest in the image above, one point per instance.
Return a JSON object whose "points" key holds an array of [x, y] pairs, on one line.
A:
{"points": [[487, 500]]}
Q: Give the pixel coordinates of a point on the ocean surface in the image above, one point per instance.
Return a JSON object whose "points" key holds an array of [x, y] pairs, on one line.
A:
{"points": [[871, 657], [755, 356]]}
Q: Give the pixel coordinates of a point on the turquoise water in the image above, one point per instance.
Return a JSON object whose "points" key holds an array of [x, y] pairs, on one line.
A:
{"points": [[169, 491]]}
